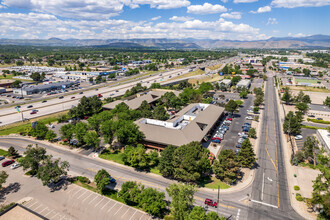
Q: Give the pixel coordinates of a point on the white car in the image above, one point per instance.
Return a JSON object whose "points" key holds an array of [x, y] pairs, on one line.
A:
{"points": [[240, 141], [249, 117], [298, 137], [15, 165]]}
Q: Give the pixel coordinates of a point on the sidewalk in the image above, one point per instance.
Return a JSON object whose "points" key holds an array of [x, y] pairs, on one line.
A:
{"points": [[299, 207]]}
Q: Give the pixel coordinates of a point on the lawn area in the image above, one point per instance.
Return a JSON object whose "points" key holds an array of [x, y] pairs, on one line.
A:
{"points": [[19, 127], [115, 157], [212, 78], [313, 81], [318, 121], [312, 127], [193, 73], [214, 67], [8, 76], [213, 183], [3, 152]]}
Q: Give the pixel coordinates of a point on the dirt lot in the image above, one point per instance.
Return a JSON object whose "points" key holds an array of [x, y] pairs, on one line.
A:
{"points": [[316, 97]]}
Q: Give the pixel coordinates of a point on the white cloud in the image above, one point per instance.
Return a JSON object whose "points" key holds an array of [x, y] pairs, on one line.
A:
{"points": [[161, 4], [224, 1], [272, 21], [156, 18], [299, 3], [297, 35], [232, 15], [180, 18], [262, 10], [207, 8], [244, 1]]}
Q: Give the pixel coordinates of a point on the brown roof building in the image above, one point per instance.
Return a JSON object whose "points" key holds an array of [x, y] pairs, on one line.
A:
{"points": [[192, 123]]}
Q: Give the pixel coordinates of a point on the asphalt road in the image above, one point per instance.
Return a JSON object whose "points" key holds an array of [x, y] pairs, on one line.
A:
{"points": [[270, 193]]}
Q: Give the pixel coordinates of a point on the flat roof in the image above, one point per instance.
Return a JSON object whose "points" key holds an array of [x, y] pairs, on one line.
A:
{"points": [[192, 130], [47, 86], [18, 212], [135, 103]]}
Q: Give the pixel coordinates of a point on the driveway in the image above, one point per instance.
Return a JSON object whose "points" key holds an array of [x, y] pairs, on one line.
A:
{"points": [[70, 202]]}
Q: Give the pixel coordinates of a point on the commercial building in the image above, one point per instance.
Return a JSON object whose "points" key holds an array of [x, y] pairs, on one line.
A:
{"points": [[19, 212], [324, 139], [195, 122], [34, 89], [226, 82], [151, 97], [244, 83], [6, 83]]}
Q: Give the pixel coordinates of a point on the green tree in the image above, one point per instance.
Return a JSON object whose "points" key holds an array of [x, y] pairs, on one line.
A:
{"points": [[67, 131], [80, 131], [91, 80], [205, 87], [146, 111], [136, 156], [33, 157], [102, 179], [127, 132], [16, 84], [246, 155], [309, 149], [19, 63], [52, 170], [170, 100], [307, 72], [160, 113], [259, 100], [306, 99], [214, 216], [3, 178], [227, 167], [231, 106], [252, 133], [291, 124], [302, 107], [258, 91], [92, 139], [152, 201], [107, 129], [12, 152], [287, 95], [327, 101], [130, 192], [50, 135], [165, 161], [197, 213], [182, 200], [235, 80], [35, 76], [39, 131], [243, 94]]}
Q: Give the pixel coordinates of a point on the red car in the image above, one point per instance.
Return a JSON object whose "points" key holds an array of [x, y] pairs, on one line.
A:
{"points": [[214, 138], [73, 97], [282, 91], [7, 163], [34, 112], [229, 119], [211, 203], [86, 117], [99, 95]]}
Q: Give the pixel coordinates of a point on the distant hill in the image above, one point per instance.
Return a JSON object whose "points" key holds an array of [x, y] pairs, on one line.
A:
{"points": [[315, 41]]}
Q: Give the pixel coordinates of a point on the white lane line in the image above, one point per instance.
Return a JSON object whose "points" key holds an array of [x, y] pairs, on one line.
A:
{"points": [[28, 206], [237, 216], [55, 215], [112, 207], [88, 196], [99, 202], [105, 204], [133, 215], [243, 198], [73, 188], [141, 217], [76, 192], [266, 204], [62, 217], [37, 207], [125, 212], [93, 199], [118, 210], [82, 194], [49, 213], [43, 210], [262, 187]]}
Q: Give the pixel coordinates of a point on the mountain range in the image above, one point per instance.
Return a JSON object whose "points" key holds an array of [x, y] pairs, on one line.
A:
{"points": [[314, 41]]}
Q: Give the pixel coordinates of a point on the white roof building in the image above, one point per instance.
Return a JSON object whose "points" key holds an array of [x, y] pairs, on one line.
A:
{"points": [[244, 83], [324, 139]]}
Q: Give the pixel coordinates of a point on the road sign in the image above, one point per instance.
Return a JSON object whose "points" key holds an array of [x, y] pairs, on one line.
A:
{"points": [[221, 73], [64, 88]]}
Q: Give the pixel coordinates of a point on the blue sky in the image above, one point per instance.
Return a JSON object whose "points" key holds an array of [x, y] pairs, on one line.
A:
{"points": [[214, 19]]}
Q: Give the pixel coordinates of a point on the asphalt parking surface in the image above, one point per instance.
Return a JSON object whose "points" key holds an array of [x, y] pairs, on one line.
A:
{"points": [[69, 202], [305, 133]]}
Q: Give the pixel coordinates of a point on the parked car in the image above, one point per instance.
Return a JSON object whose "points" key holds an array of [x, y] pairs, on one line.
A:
{"points": [[311, 116], [229, 119], [7, 163], [237, 150], [298, 137], [216, 141], [211, 203], [117, 90], [246, 129], [99, 95], [73, 97], [319, 119], [81, 93], [29, 106], [34, 111], [61, 97], [2, 157], [216, 138], [240, 141], [249, 117], [238, 145], [17, 106], [44, 101], [15, 165], [112, 180]]}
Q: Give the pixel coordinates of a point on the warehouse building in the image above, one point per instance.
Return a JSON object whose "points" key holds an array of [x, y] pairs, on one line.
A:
{"points": [[34, 89], [193, 123], [244, 83], [226, 82], [324, 139]]}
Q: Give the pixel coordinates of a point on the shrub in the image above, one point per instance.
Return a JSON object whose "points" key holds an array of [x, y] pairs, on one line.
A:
{"points": [[83, 179], [299, 197], [296, 188]]}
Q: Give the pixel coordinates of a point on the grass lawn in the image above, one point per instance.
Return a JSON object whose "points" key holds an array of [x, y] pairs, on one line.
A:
{"points": [[318, 121], [313, 81], [8, 76], [214, 67], [115, 157], [19, 127], [3, 152], [155, 171], [212, 78], [213, 183], [193, 73], [312, 127]]}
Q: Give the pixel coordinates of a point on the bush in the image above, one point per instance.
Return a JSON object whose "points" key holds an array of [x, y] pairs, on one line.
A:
{"points": [[299, 197], [83, 179], [296, 188]]}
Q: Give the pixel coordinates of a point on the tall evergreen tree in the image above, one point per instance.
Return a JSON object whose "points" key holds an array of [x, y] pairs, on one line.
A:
{"points": [[246, 155]]}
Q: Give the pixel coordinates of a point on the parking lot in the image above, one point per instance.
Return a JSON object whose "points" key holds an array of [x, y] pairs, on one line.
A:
{"points": [[305, 133], [70, 202]]}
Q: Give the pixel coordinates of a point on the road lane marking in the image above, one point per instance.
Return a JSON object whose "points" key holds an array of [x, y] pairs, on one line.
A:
{"points": [[54, 215], [263, 203], [133, 214], [243, 198], [99, 202], [238, 212], [278, 187], [263, 185], [118, 210]]}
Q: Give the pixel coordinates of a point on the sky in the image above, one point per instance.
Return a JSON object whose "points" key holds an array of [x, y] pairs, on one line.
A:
{"points": [[173, 19]]}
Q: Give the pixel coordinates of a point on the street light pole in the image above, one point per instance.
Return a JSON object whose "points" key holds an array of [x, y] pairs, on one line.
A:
{"points": [[218, 200]]}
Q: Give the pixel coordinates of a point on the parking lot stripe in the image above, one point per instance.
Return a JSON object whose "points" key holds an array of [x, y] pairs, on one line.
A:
{"points": [[49, 213], [99, 202], [87, 197], [141, 217], [105, 204], [128, 208], [37, 207], [29, 206], [43, 210], [93, 199], [82, 194], [118, 209], [133, 215], [73, 188], [62, 217], [76, 192], [55, 215], [112, 207]]}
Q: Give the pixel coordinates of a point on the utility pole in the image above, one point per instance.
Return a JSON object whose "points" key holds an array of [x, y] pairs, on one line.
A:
{"points": [[218, 200]]}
